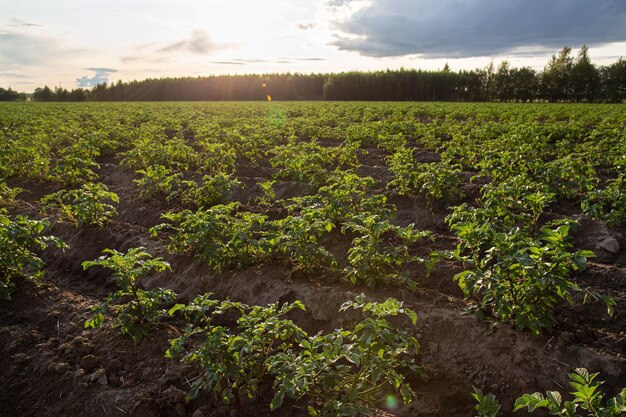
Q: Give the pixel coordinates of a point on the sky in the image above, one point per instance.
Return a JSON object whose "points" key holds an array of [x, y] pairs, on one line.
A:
{"points": [[81, 43]]}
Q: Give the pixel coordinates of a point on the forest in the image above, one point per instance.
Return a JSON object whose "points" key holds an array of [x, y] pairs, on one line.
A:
{"points": [[565, 78]]}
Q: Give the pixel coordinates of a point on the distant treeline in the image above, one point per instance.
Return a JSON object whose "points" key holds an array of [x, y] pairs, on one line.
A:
{"points": [[11, 95], [564, 78]]}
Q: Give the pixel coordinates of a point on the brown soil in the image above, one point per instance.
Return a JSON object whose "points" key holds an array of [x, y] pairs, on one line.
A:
{"points": [[43, 341]]}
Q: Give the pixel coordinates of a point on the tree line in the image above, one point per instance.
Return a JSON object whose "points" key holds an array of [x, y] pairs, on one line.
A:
{"points": [[11, 95], [565, 78]]}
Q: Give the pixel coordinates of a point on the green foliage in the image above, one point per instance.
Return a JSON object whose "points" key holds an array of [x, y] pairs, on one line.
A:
{"points": [[403, 166], [20, 238], [7, 193], [267, 187], [154, 148], [217, 157], [219, 236], [487, 404], [519, 278], [344, 195], [340, 373], [571, 176], [84, 206], [440, 181], [76, 165], [213, 190], [310, 162], [134, 309], [587, 398], [516, 201], [234, 363], [374, 257], [345, 372], [609, 203], [297, 238], [435, 180], [157, 181]]}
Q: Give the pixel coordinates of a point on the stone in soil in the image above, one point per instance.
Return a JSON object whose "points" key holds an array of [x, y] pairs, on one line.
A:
{"points": [[88, 362]]}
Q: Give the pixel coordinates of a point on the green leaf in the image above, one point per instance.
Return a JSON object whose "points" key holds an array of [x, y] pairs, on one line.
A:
{"points": [[412, 315], [175, 308], [277, 401], [532, 401]]}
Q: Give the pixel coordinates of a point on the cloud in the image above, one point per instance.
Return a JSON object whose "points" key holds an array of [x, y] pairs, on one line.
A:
{"points": [[101, 75], [251, 60], [100, 69], [26, 49], [340, 3], [306, 26], [17, 22], [14, 74], [198, 42], [228, 62], [143, 58], [27, 44], [469, 28], [279, 60]]}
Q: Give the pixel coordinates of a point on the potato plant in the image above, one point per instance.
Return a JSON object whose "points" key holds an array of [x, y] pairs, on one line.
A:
{"points": [[211, 191], [76, 165], [434, 180], [587, 400], [7, 193], [520, 278], [374, 257], [297, 238], [135, 310], [609, 203], [84, 206], [20, 240], [234, 364], [343, 372], [312, 163], [158, 182], [221, 236]]}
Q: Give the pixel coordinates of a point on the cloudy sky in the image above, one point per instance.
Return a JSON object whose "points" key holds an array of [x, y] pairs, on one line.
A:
{"points": [[85, 42]]}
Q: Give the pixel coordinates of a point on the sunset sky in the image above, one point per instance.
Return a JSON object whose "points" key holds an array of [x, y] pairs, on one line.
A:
{"points": [[81, 43]]}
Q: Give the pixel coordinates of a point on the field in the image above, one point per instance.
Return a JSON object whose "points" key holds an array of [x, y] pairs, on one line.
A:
{"points": [[208, 259]]}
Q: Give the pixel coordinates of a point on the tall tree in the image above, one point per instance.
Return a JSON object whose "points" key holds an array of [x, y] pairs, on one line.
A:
{"points": [[556, 76], [585, 79], [613, 81]]}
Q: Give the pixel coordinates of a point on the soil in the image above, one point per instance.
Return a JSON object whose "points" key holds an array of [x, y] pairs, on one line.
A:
{"points": [[52, 366]]}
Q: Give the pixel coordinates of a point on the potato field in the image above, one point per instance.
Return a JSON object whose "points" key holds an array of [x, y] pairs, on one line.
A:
{"points": [[312, 259]]}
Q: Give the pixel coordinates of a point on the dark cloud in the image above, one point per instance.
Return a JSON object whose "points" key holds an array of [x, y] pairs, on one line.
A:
{"points": [[198, 42], [101, 75], [306, 26], [467, 28], [311, 59]]}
